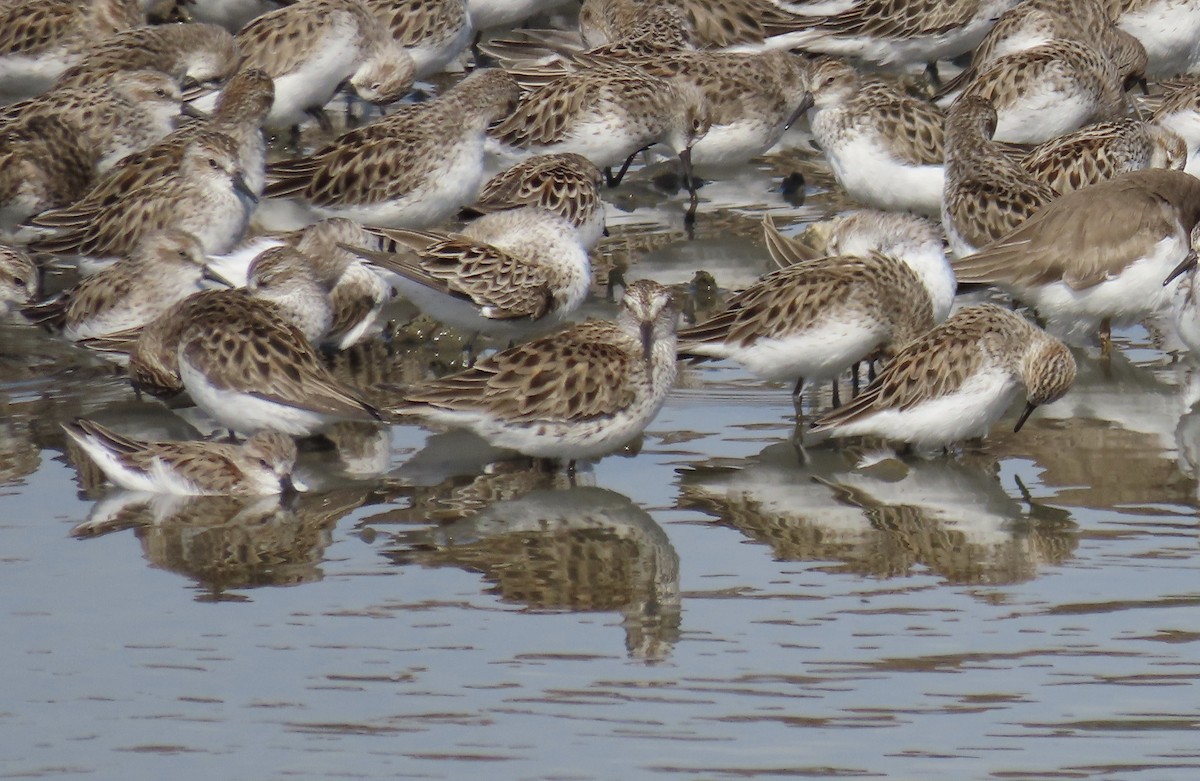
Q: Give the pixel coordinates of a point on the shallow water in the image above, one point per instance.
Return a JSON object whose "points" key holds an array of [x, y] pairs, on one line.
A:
{"points": [[720, 603]]}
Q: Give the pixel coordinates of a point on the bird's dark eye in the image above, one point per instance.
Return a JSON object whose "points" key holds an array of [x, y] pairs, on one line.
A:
{"points": [[376, 86], [264, 463], [20, 282], [212, 163], [829, 80], [160, 92]]}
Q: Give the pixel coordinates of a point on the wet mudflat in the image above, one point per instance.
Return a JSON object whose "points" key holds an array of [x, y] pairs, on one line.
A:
{"points": [[721, 603]]}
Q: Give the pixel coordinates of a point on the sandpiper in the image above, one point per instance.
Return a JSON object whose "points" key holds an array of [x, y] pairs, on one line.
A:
{"points": [[260, 465], [574, 394], [507, 275], [1048, 90], [987, 194], [39, 39], [207, 197], [566, 184], [165, 268], [1097, 255], [1102, 151], [413, 168], [885, 147], [813, 320], [957, 380]]}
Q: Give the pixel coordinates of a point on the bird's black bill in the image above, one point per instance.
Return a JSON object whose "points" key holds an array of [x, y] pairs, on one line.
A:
{"points": [[1186, 265], [1029, 408]]}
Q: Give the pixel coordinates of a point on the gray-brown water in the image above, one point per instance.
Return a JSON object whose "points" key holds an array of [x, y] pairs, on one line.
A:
{"points": [[719, 604]]}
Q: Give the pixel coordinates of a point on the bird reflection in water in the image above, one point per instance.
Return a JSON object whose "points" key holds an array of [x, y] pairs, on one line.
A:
{"points": [[893, 519], [549, 546]]}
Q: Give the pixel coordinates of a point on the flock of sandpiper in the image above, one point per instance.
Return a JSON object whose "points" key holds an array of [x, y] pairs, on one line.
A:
{"points": [[136, 152]]}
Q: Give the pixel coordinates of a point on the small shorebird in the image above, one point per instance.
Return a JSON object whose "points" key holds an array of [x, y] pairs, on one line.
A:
{"points": [[124, 113], [1097, 255], [206, 197], [957, 380], [249, 368], [566, 184], [202, 54], [410, 169], [608, 114], [507, 275], [310, 47], [261, 465], [165, 268], [39, 39], [886, 148], [19, 280], [1168, 29], [573, 394], [987, 194], [1104, 150], [1043, 92], [814, 319], [1032, 23], [434, 32], [1179, 113], [241, 108], [892, 33]]}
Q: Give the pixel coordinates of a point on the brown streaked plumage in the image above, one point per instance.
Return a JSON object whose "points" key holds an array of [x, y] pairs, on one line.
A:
{"points": [[39, 39], [608, 114], [241, 108], [573, 394], [19, 279], [206, 197], [892, 33], [1034, 22], [311, 47], [750, 99], [44, 163], [197, 53], [249, 368], [1048, 90], [814, 319], [566, 184], [1102, 151], [122, 114], [886, 148], [433, 31], [165, 268], [262, 464], [987, 194], [358, 293], [461, 268], [958, 379], [508, 274], [1167, 28], [412, 168], [153, 350], [535, 58], [1179, 113]]}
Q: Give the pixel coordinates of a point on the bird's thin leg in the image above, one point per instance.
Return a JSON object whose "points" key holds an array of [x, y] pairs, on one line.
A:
{"points": [[931, 72], [613, 181], [1105, 338]]}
